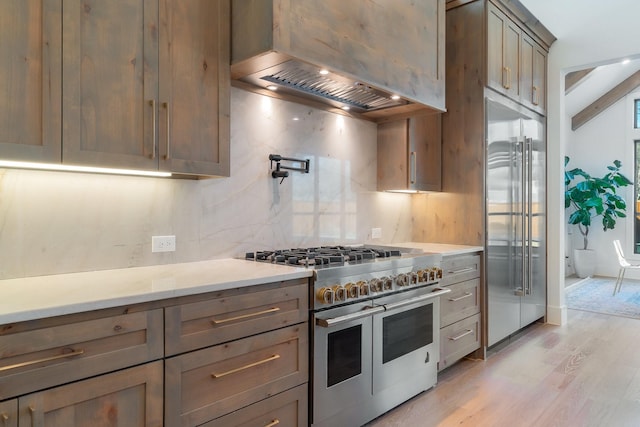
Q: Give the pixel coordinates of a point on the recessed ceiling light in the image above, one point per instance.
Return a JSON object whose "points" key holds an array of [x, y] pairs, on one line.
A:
{"points": [[626, 61], [395, 97], [272, 87], [324, 72], [295, 119], [345, 107]]}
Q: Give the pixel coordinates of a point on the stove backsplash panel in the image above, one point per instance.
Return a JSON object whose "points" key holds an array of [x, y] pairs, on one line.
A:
{"points": [[52, 222]]}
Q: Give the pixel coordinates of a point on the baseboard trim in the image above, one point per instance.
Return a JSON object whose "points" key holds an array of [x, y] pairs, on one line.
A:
{"points": [[557, 315]]}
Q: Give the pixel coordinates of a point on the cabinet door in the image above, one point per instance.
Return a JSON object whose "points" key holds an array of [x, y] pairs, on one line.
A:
{"points": [[9, 413], [503, 53], [110, 83], [30, 48], [127, 398], [194, 88], [425, 152], [534, 74]]}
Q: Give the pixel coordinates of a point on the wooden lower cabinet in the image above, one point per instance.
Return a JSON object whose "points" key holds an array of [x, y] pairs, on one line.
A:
{"points": [[460, 310], [127, 398], [206, 384], [288, 408], [9, 413]]}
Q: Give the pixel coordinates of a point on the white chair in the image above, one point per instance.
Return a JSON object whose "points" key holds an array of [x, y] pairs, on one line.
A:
{"points": [[624, 264]]}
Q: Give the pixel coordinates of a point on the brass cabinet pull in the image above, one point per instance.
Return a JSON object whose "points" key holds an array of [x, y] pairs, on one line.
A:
{"points": [[5, 419], [462, 270], [466, 295], [413, 172], [536, 97], [168, 155], [507, 85], [32, 411], [273, 423], [245, 316], [464, 334], [46, 359], [152, 102], [242, 368]]}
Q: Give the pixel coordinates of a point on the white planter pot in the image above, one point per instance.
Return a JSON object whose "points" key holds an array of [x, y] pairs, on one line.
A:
{"points": [[584, 261]]}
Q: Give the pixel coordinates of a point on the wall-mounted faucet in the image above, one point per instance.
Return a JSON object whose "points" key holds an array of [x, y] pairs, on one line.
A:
{"points": [[281, 171]]}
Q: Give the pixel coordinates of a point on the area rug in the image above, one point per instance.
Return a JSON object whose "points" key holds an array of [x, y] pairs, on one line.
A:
{"points": [[595, 294]]}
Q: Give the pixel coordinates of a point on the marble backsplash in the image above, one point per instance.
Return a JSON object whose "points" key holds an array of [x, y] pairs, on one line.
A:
{"points": [[55, 222]]}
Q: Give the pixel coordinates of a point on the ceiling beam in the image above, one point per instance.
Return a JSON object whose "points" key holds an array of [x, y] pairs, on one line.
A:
{"points": [[572, 80], [606, 100]]}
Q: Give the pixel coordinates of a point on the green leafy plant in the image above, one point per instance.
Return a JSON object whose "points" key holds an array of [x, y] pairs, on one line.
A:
{"points": [[592, 197]]}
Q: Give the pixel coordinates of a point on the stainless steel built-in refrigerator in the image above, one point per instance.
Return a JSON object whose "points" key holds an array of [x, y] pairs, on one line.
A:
{"points": [[516, 218]]}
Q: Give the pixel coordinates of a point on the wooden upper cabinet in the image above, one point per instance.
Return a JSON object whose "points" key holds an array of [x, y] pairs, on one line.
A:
{"points": [[503, 53], [30, 48], [409, 154], [146, 85], [516, 62], [194, 86], [110, 81], [534, 74]]}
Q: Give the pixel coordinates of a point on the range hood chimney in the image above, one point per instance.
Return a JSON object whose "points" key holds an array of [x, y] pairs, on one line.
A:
{"points": [[311, 52]]}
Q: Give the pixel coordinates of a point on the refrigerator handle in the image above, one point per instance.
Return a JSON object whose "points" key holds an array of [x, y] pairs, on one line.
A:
{"points": [[529, 215], [523, 179]]}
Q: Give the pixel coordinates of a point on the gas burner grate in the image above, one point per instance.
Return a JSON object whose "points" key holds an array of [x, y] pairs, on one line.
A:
{"points": [[321, 256]]}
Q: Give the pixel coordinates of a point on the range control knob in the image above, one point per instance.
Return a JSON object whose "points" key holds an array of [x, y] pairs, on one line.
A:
{"points": [[402, 280], [375, 285], [325, 295], [339, 293], [413, 278], [387, 283], [438, 272], [432, 275], [353, 290], [364, 288], [423, 275]]}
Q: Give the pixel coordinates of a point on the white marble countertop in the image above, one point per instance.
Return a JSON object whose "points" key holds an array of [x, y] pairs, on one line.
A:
{"points": [[46, 296], [445, 249]]}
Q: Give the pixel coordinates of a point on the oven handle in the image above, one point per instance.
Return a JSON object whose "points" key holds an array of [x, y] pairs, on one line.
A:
{"points": [[430, 295], [333, 321]]}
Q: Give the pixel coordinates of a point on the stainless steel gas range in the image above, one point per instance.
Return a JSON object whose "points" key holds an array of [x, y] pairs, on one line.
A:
{"points": [[374, 332]]}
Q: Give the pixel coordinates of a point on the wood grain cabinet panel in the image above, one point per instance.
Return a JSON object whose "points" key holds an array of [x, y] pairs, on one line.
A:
{"points": [[232, 315], [9, 413], [460, 268], [30, 80], [410, 154], [206, 384], [288, 408], [461, 302], [146, 85], [503, 53], [458, 340], [534, 75], [46, 356], [127, 398]]}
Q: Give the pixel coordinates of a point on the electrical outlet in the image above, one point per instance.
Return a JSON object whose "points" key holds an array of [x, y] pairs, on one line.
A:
{"points": [[376, 233], [163, 243]]}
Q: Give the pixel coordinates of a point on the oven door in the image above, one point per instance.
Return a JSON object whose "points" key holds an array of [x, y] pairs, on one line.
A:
{"points": [[406, 344], [342, 362]]}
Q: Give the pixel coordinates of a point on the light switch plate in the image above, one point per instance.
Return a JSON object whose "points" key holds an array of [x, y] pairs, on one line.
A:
{"points": [[376, 233]]}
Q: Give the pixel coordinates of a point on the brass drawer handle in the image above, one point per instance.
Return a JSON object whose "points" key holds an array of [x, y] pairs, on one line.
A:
{"points": [[32, 412], [245, 316], [152, 103], [5, 418], [242, 368], [46, 359], [273, 423], [464, 334], [462, 270], [466, 295]]}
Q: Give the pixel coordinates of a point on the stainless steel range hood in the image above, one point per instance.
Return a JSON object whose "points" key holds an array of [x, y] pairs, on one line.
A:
{"points": [[296, 51]]}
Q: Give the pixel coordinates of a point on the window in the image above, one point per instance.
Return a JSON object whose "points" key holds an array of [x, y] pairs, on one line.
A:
{"points": [[636, 193], [636, 113]]}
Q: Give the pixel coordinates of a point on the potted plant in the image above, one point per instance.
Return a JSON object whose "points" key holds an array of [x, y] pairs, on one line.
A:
{"points": [[591, 197]]}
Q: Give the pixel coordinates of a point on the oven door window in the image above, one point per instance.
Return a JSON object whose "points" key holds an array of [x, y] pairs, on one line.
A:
{"points": [[406, 331], [344, 354]]}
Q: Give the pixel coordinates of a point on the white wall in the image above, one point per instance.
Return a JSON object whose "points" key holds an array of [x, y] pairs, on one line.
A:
{"points": [[54, 222], [588, 32]]}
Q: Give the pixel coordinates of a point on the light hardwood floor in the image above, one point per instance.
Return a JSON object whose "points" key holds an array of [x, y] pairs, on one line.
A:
{"points": [[586, 373]]}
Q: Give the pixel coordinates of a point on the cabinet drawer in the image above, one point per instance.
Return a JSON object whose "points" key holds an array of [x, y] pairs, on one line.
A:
{"points": [[34, 359], [206, 384], [458, 340], [461, 302], [229, 316], [288, 408], [460, 268]]}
